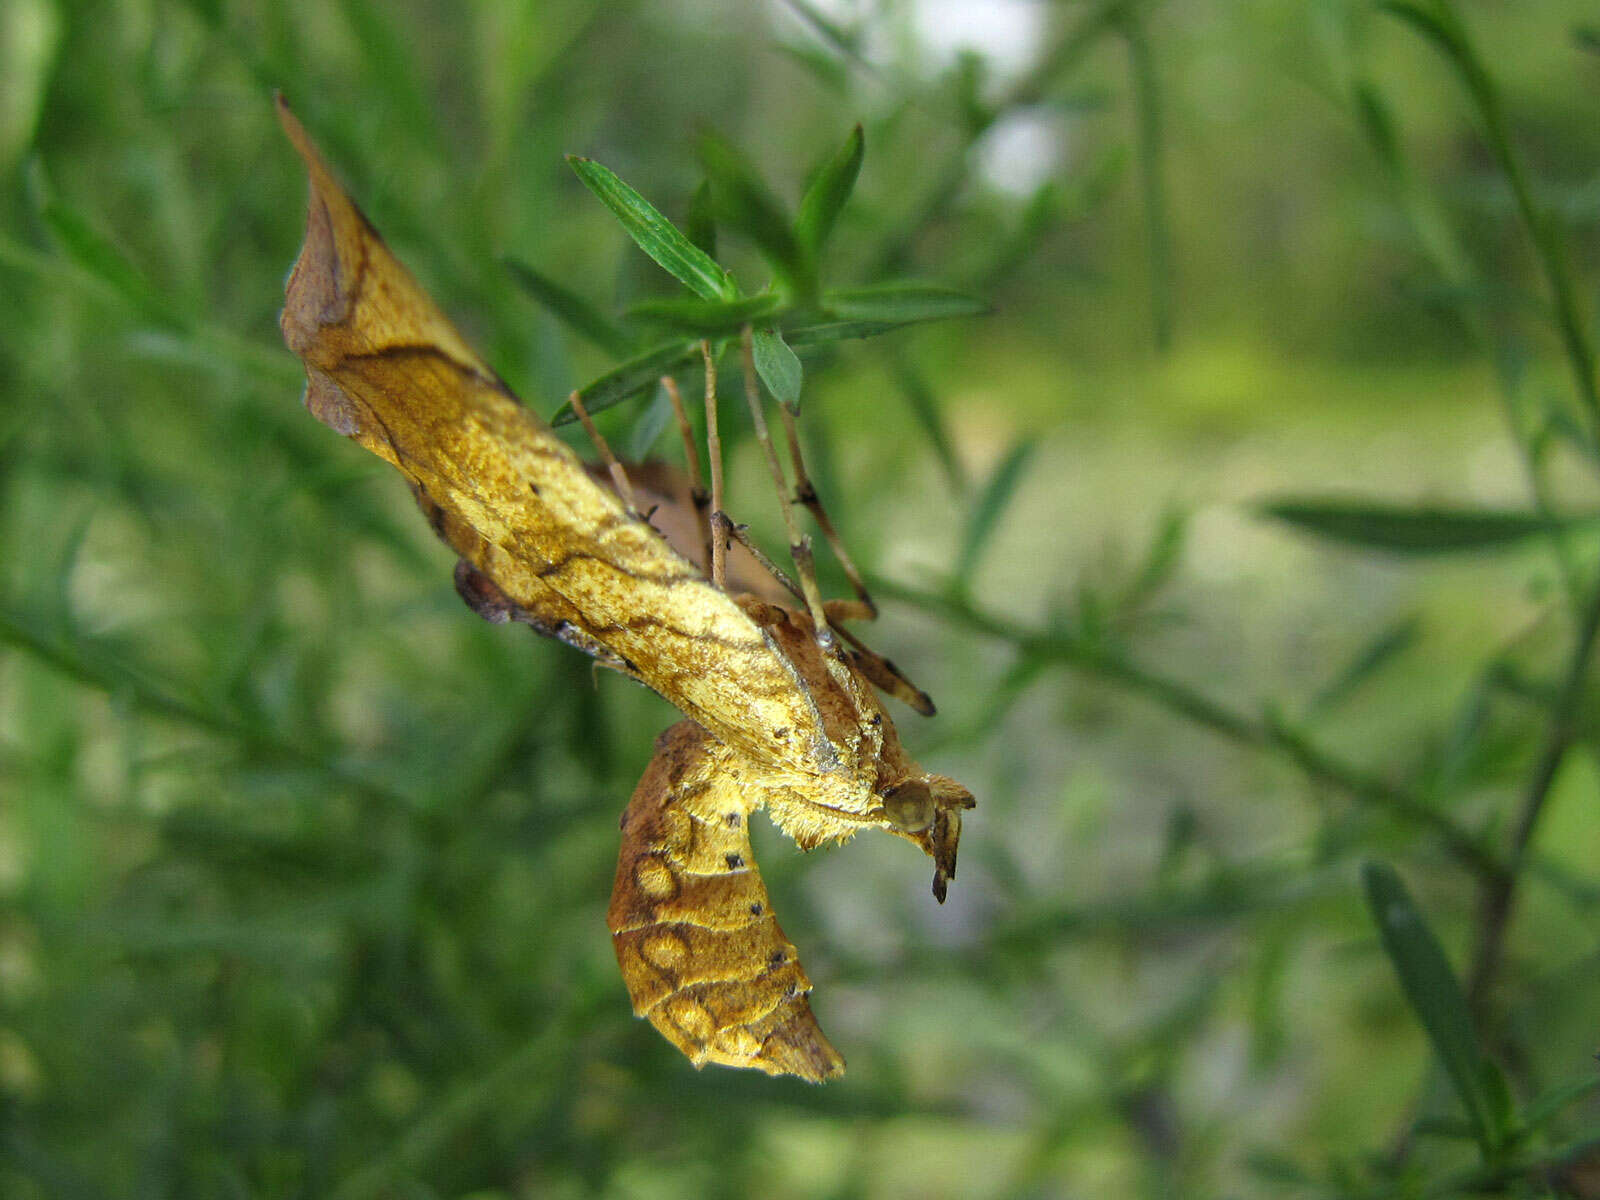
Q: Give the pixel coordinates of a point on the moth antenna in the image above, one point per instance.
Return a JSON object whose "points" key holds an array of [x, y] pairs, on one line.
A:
{"points": [[619, 477], [717, 525], [799, 544], [691, 456], [806, 493]]}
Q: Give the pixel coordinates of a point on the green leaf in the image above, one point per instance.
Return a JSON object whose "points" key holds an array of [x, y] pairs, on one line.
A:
{"points": [[647, 430], [991, 504], [97, 255], [925, 408], [1545, 1108], [1419, 530], [702, 219], [902, 303], [1372, 657], [570, 308], [778, 367], [706, 316], [630, 378], [824, 332], [655, 235], [1161, 561], [1436, 998], [821, 205], [746, 204]]}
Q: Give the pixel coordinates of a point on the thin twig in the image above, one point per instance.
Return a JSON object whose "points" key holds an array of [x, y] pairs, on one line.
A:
{"points": [[1107, 662], [698, 496], [619, 477], [1500, 890], [719, 524], [806, 492], [799, 544], [130, 685]]}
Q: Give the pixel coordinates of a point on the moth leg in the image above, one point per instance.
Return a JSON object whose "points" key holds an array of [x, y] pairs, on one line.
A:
{"points": [[886, 676], [619, 477], [703, 957], [806, 493], [691, 456], [799, 544], [718, 524], [741, 534]]}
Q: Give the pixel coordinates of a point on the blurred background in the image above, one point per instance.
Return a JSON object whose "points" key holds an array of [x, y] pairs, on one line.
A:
{"points": [[1248, 541]]}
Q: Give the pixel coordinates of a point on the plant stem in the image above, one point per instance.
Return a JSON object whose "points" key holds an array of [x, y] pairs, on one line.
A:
{"points": [[124, 682], [1107, 662], [1500, 890]]}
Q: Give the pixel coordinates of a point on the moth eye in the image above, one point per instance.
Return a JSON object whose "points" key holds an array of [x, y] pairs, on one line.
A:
{"points": [[908, 806]]}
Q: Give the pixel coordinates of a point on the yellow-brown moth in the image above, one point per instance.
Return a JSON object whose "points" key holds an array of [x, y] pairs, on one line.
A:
{"points": [[777, 718]]}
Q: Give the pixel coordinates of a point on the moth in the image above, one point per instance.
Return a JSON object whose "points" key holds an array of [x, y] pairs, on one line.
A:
{"points": [[781, 713]]}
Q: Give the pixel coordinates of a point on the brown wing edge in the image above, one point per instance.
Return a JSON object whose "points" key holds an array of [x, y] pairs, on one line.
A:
{"points": [[700, 951]]}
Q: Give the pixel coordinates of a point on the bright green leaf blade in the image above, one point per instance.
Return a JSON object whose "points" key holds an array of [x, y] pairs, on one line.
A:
{"points": [[655, 235], [991, 505], [902, 303], [825, 198], [705, 317], [570, 308], [1421, 530], [1435, 996], [746, 204], [630, 378], [778, 367]]}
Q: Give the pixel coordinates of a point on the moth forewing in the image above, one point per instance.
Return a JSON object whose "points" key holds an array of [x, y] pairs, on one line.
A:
{"points": [[386, 368]]}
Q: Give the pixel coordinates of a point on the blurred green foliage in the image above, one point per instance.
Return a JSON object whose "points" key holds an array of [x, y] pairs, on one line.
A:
{"points": [[1251, 540]]}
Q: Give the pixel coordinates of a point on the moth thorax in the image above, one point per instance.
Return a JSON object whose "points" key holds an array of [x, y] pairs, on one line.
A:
{"points": [[909, 806]]}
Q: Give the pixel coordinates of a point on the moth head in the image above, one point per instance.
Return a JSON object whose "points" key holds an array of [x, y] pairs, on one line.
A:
{"points": [[926, 809]]}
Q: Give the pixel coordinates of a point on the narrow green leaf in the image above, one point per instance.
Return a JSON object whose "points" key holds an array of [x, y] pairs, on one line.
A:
{"points": [[778, 367], [702, 219], [821, 205], [746, 204], [705, 317], [655, 235], [1543, 1109], [1278, 1168], [925, 408], [1377, 122], [1389, 642], [1451, 1128], [647, 429], [630, 378], [991, 505], [96, 254], [1436, 998], [570, 308], [902, 303], [824, 332], [1419, 530], [1160, 561]]}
